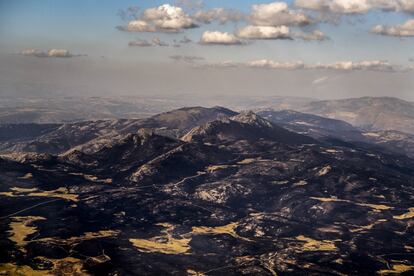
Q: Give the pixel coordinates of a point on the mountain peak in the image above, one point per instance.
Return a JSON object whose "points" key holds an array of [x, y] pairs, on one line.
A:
{"points": [[244, 126], [251, 118]]}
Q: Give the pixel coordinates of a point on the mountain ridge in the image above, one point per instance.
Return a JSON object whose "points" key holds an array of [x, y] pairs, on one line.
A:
{"points": [[253, 198]]}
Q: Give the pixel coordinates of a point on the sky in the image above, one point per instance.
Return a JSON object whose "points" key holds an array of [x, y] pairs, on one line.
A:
{"points": [[306, 48]]}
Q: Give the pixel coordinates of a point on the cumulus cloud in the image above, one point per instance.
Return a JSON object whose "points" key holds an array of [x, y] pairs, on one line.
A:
{"points": [[138, 26], [280, 32], [403, 30], [60, 53], [165, 18], [219, 38], [140, 43], [394, 5], [186, 59], [33, 52], [336, 6], [277, 14], [219, 14], [356, 6], [264, 32]]}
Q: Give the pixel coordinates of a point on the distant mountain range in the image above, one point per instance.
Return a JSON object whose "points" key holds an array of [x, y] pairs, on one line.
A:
{"points": [[329, 130], [206, 191], [369, 113], [90, 136], [18, 110]]}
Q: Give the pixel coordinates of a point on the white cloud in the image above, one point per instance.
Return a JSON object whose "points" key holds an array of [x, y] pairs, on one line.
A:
{"points": [[219, 14], [368, 65], [280, 32], [277, 14], [393, 5], [60, 53], [165, 18], [271, 64], [219, 38], [154, 42], [336, 6], [138, 26], [33, 52], [264, 32], [140, 43], [356, 6], [406, 29]]}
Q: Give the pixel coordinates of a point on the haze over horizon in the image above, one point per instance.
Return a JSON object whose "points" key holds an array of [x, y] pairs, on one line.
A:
{"points": [[320, 49]]}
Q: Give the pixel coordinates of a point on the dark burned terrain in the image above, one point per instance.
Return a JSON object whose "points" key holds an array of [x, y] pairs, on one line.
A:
{"points": [[196, 194]]}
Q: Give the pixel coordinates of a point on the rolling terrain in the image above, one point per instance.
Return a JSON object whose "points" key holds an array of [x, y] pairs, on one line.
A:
{"points": [[199, 191]]}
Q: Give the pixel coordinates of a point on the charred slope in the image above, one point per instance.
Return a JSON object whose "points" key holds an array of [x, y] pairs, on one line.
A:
{"points": [[90, 136], [245, 205], [245, 126], [122, 155]]}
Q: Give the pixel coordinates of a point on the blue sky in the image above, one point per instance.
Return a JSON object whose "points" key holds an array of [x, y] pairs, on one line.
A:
{"points": [[88, 27]]}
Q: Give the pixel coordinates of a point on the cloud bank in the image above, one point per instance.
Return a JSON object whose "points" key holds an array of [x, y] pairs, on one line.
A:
{"points": [[403, 30], [356, 6], [144, 43], [58, 53], [140, 43], [270, 21], [365, 65]]}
